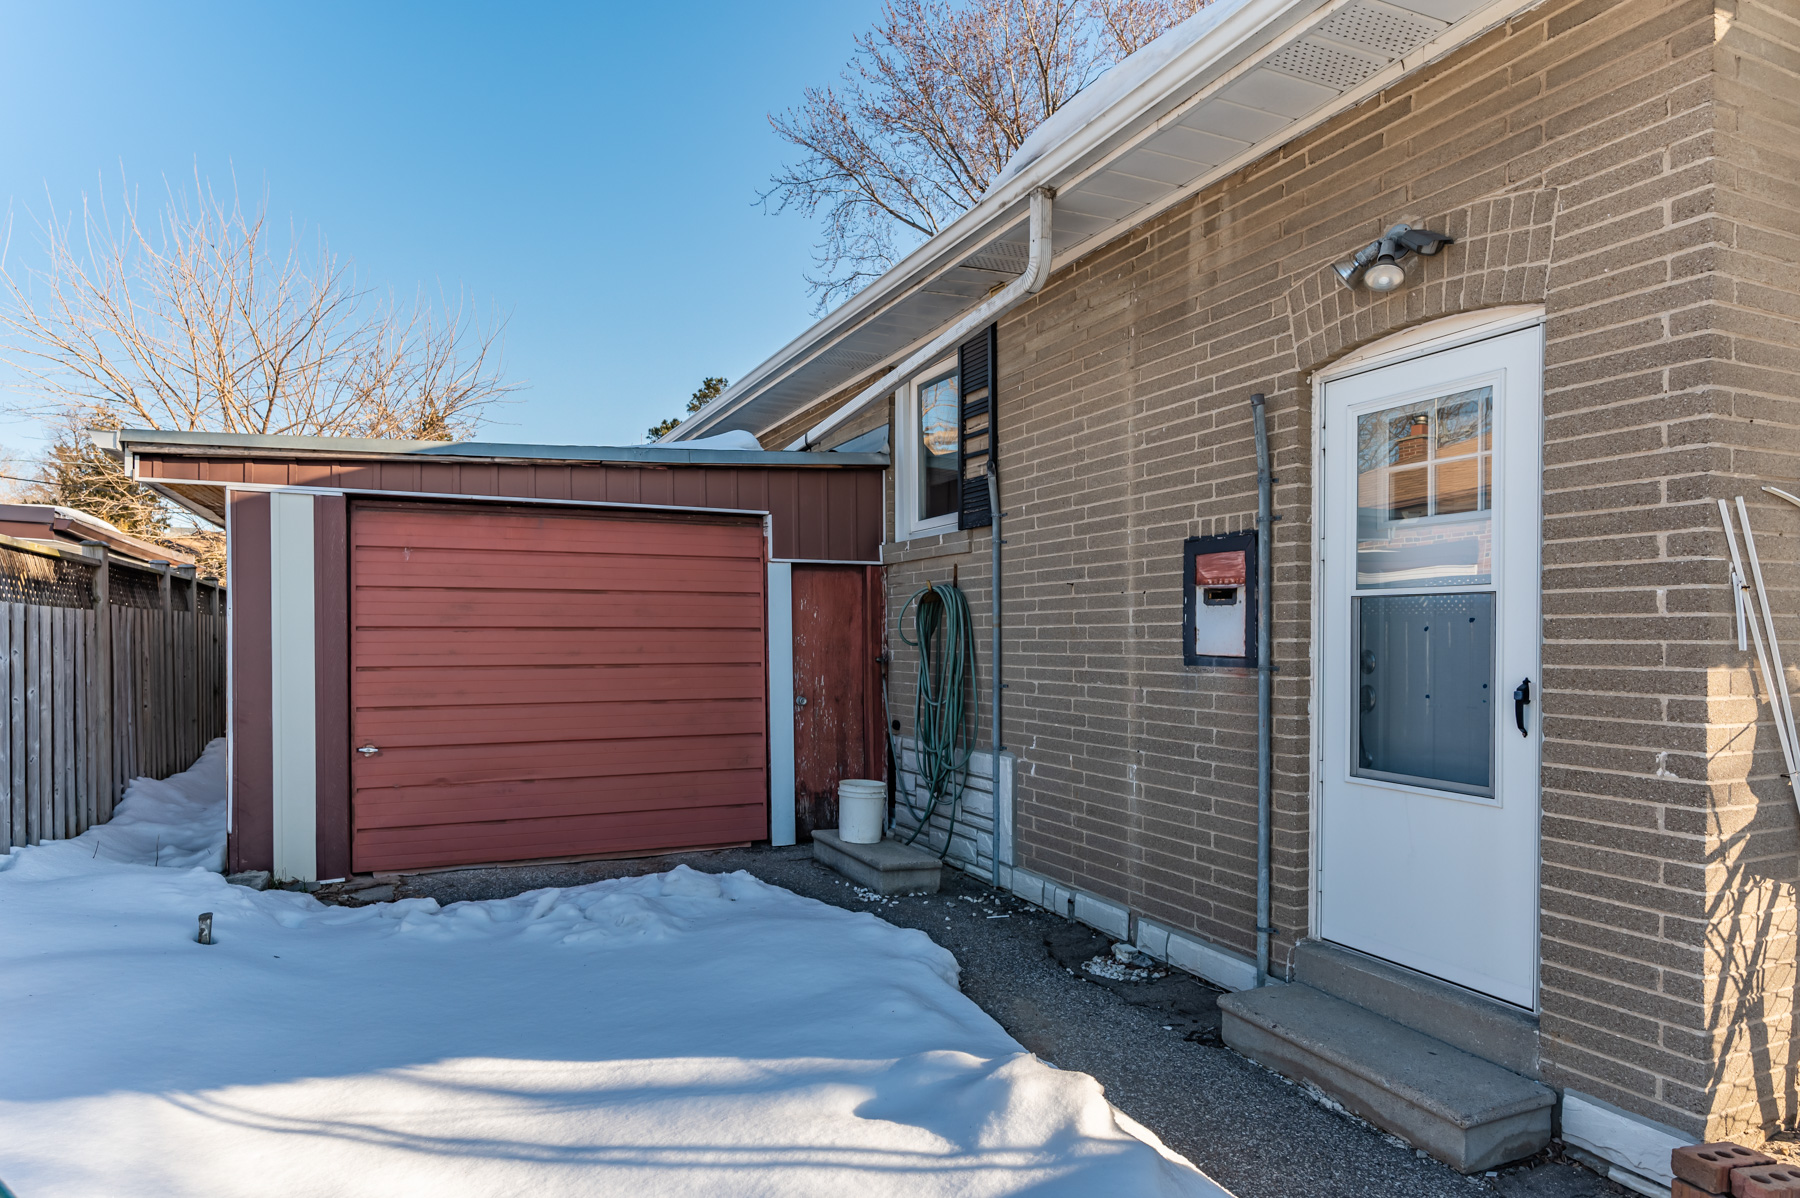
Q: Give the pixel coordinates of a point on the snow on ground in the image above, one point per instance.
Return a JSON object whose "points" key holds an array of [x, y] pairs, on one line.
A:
{"points": [[681, 1033]]}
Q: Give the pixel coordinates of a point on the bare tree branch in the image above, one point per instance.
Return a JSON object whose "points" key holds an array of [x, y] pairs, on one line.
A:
{"points": [[192, 317], [935, 100]]}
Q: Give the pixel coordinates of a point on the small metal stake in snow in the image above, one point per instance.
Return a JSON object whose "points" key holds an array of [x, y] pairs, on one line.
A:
{"points": [[205, 936]]}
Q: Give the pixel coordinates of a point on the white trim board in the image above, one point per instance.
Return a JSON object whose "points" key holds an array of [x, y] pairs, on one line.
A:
{"points": [[293, 713], [1218, 966], [1633, 1144], [1190, 954], [781, 703]]}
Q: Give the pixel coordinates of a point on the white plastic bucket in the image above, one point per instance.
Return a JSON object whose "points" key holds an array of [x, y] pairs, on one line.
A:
{"points": [[862, 808]]}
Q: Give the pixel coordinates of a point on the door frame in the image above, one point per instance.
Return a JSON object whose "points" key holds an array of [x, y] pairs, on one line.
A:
{"points": [[1449, 332]]}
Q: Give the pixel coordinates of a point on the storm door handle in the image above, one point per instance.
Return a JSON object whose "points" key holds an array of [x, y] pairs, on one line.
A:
{"points": [[1521, 700]]}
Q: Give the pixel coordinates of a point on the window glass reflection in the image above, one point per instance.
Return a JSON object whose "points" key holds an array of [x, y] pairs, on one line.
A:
{"points": [[1424, 492], [940, 458]]}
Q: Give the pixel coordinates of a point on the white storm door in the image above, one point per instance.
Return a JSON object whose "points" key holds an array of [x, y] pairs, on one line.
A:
{"points": [[1428, 791]]}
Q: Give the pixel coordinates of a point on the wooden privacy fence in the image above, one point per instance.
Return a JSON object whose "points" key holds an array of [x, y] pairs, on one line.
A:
{"points": [[110, 669]]}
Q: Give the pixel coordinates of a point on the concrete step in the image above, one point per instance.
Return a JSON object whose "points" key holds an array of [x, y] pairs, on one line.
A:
{"points": [[1482, 1026], [1469, 1113], [886, 868]]}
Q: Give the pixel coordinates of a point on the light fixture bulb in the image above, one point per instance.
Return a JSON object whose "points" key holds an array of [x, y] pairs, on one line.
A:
{"points": [[1385, 275]]}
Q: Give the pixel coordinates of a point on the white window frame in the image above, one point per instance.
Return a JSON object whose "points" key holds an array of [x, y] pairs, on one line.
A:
{"points": [[907, 525]]}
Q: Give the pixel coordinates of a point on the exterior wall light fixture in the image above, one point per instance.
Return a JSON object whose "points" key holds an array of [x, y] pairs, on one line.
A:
{"points": [[1377, 265]]}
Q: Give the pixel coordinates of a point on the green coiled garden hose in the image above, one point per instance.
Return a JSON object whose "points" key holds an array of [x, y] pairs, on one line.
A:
{"points": [[946, 708]]}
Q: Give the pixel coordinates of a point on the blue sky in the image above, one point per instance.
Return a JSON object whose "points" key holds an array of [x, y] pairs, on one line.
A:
{"points": [[589, 169]]}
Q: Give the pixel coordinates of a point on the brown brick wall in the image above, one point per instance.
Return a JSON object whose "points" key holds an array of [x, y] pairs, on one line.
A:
{"points": [[1583, 162], [1750, 394]]}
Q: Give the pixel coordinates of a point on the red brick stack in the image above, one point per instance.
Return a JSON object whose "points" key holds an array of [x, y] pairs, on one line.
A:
{"points": [[1712, 1170]]}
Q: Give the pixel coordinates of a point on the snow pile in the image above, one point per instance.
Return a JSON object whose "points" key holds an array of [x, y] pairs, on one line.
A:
{"points": [[178, 823], [675, 1034], [735, 439]]}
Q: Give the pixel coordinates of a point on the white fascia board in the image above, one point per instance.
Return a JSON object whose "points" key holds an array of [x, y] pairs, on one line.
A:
{"points": [[1252, 27], [1457, 35], [1236, 46]]}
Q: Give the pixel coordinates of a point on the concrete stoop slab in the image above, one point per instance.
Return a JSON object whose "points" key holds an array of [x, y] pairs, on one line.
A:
{"points": [[1483, 1027], [1469, 1113], [886, 868]]}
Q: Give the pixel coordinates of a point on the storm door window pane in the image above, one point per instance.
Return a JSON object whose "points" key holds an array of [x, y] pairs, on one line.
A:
{"points": [[1424, 690], [940, 448], [1424, 492]]}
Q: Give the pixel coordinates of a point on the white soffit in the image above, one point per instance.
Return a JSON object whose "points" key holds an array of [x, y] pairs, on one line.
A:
{"points": [[1269, 101], [1313, 61]]}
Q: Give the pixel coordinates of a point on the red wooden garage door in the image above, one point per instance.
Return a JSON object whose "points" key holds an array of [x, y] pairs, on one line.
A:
{"points": [[541, 684]]}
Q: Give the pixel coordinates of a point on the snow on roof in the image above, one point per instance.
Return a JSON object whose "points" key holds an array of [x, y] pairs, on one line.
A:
{"points": [[1118, 82], [76, 514]]}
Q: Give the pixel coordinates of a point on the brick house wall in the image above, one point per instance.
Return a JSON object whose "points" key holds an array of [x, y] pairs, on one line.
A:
{"points": [[1630, 165], [1746, 991]]}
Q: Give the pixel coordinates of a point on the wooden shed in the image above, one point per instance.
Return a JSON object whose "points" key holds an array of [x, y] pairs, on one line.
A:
{"points": [[447, 654]]}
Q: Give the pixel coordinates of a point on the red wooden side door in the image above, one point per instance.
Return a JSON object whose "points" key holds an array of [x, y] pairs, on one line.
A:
{"points": [[549, 684], [837, 687]]}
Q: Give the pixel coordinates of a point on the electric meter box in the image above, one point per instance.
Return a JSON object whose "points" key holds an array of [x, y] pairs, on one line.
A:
{"points": [[1218, 609]]}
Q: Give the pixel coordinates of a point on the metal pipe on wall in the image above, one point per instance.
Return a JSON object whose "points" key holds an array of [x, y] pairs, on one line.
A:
{"points": [[993, 487], [1265, 521]]}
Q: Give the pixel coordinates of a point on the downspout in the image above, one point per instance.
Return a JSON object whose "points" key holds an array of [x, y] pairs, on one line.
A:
{"points": [[1265, 609], [993, 488], [1037, 270]]}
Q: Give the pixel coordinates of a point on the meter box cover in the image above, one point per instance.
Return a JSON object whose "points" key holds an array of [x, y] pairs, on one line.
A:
{"points": [[1218, 610]]}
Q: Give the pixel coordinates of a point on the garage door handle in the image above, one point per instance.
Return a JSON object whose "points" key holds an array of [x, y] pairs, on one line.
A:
{"points": [[368, 750]]}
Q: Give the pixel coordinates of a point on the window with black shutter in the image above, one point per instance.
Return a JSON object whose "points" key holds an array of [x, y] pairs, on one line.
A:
{"points": [[975, 373]]}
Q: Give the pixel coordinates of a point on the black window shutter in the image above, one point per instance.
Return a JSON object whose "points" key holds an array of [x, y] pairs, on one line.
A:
{"points": [[976, 373]]}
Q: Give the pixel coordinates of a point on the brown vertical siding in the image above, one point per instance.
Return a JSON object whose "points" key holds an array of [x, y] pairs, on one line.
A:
{"points": [[331, 682], [252, 836], [816, 513], [545, 682]]}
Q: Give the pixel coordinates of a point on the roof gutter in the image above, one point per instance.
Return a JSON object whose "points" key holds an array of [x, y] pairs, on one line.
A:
{"points": [[1037, 271], [1244, 31]]}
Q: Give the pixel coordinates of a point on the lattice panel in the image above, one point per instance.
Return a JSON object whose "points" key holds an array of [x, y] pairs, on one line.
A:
{"points": [[133, 588], [45, 581]]}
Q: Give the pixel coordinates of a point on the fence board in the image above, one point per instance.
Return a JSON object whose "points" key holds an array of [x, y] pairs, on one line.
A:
{"points": [[89, 722], [61, 719], [10, 830], [34, 716], [15, 723], [97, 687]]}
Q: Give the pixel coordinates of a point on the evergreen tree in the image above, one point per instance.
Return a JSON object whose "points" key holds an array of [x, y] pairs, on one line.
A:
{"points": [[711, 387]]}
